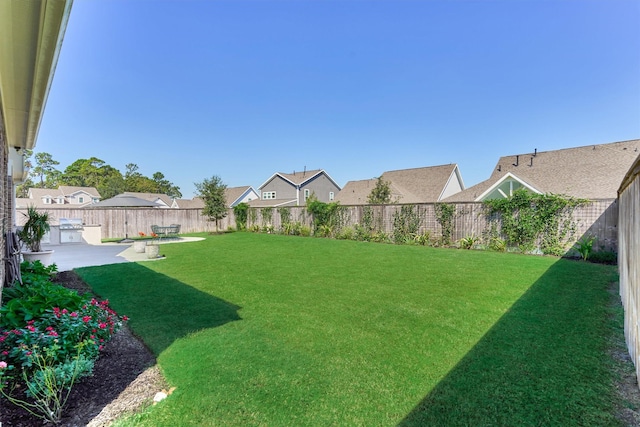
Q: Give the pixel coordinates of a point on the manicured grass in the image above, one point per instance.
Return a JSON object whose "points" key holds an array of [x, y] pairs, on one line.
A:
{"points": [[271, 330]]}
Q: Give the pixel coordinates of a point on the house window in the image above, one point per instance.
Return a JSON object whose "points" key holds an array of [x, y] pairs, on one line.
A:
{"points": [[268, 195], [47, 201], [306, 194], [80, 199], [331, 195]]}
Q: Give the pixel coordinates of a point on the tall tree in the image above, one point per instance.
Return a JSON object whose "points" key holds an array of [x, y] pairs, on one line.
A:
{"points": [[45, 169], [164, 186], [93, 172], [212, 192], [381, 193]]}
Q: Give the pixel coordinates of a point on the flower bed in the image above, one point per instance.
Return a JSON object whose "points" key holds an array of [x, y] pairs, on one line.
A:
{"points": [[50, 337]]}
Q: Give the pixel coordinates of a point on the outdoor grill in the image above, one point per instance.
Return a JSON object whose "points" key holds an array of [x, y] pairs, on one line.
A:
{"points": [[71, 230]]}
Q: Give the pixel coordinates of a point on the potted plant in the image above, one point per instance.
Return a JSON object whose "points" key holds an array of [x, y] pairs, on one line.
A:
{"points": [[32, 233], [152, 249]]}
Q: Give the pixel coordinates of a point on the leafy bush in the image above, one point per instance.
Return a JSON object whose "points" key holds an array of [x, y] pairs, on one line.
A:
{"points": [[423, 239], [49, 337], [497, 244], [241, 213], [584, 246], [406, 223], [347, 233], [468, 242]]}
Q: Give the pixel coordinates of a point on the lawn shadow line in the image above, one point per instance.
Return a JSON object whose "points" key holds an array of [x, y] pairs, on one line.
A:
{"points": [[160, 308], [540, 364]]}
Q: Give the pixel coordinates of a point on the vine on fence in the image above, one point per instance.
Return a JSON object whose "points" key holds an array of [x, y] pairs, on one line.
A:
{"points": [[406, 223], [528, 219], [285, 216], [253, 216], [445, 214], [240, 211]]}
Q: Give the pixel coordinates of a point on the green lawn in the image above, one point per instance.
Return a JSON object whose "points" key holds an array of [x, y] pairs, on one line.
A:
{"points": [[271, 330]]}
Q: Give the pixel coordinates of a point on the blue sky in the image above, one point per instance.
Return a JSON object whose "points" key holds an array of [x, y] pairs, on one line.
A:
{"points": [[243, 89]]}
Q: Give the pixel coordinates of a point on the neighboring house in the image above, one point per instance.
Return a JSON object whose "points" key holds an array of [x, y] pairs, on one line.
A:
{"points": [[419, 185], [63, 195], [162, 200], [589, 172], [195, 203], [234, 196], [237, 195], [283, 189]]}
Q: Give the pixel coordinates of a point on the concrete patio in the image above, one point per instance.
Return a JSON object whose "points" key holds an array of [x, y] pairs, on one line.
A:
{"points": [[73, 255]]}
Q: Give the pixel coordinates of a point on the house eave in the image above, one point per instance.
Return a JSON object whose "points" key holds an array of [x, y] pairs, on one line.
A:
{"points": [[31, 34]]}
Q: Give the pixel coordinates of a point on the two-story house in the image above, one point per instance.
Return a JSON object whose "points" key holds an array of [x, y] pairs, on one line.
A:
{"points": [[63, 195], [293, 189]]}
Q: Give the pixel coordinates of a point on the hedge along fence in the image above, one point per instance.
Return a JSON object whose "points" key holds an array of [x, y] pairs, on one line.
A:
{"points": [[629, 259], [598, 218]]}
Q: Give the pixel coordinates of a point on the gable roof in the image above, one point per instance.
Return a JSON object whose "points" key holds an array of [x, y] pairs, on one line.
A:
{"points": [[298, 179], [416, 185], [69, 190], [159, 198], [195, 203], [589, 172], [357, 192], [125, 201], [234, 195]]}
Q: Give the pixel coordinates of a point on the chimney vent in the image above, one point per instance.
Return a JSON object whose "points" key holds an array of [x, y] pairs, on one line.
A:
{"points": [[517, 161], [531, 164], [535, 152], [499, 168]]}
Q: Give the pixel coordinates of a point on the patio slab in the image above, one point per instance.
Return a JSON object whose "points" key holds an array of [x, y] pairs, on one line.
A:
{"points": [[74, 255]]}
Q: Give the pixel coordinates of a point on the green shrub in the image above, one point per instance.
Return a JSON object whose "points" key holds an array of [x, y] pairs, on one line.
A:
{"points": [[468, 242], [497, 244], [241, 212], [49, 337], [423, 239], [346, 233], [584, 246]]}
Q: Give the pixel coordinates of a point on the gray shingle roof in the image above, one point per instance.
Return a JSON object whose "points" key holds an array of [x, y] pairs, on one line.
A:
{"points": [[195, 203], [68, 190], [590, 172], [152, 197], [417, 185]]}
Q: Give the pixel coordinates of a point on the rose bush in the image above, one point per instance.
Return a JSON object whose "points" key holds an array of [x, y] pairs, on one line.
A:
{"points": [[53, 346]]}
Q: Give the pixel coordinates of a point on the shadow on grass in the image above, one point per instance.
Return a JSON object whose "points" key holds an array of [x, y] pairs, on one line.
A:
{"points": [[160, 308], [543, 363]]}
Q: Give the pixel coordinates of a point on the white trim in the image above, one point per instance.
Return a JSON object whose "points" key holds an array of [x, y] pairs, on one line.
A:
{"points": [[497, 184]]}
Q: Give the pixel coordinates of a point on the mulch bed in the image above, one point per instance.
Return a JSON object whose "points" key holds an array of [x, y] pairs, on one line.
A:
{"points": [[123, 360]]}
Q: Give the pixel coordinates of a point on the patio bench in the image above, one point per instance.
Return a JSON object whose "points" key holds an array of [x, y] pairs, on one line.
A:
{"points": [[166, 231]]}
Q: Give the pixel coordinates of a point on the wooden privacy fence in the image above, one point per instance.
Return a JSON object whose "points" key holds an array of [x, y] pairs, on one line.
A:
{"points": [[599, 218], [629, 259]]}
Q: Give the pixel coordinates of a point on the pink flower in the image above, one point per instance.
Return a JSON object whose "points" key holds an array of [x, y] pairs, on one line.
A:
{"points": [[5, 353], [102, 325], [86, 319], [53, 333], [73, 314], [125, 318], [65, 311], [3, 364], [31, 328], [28, 353]]}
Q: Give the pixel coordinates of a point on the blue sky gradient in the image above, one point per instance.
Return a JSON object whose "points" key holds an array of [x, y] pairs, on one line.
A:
{"points": [[243, 89]]}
